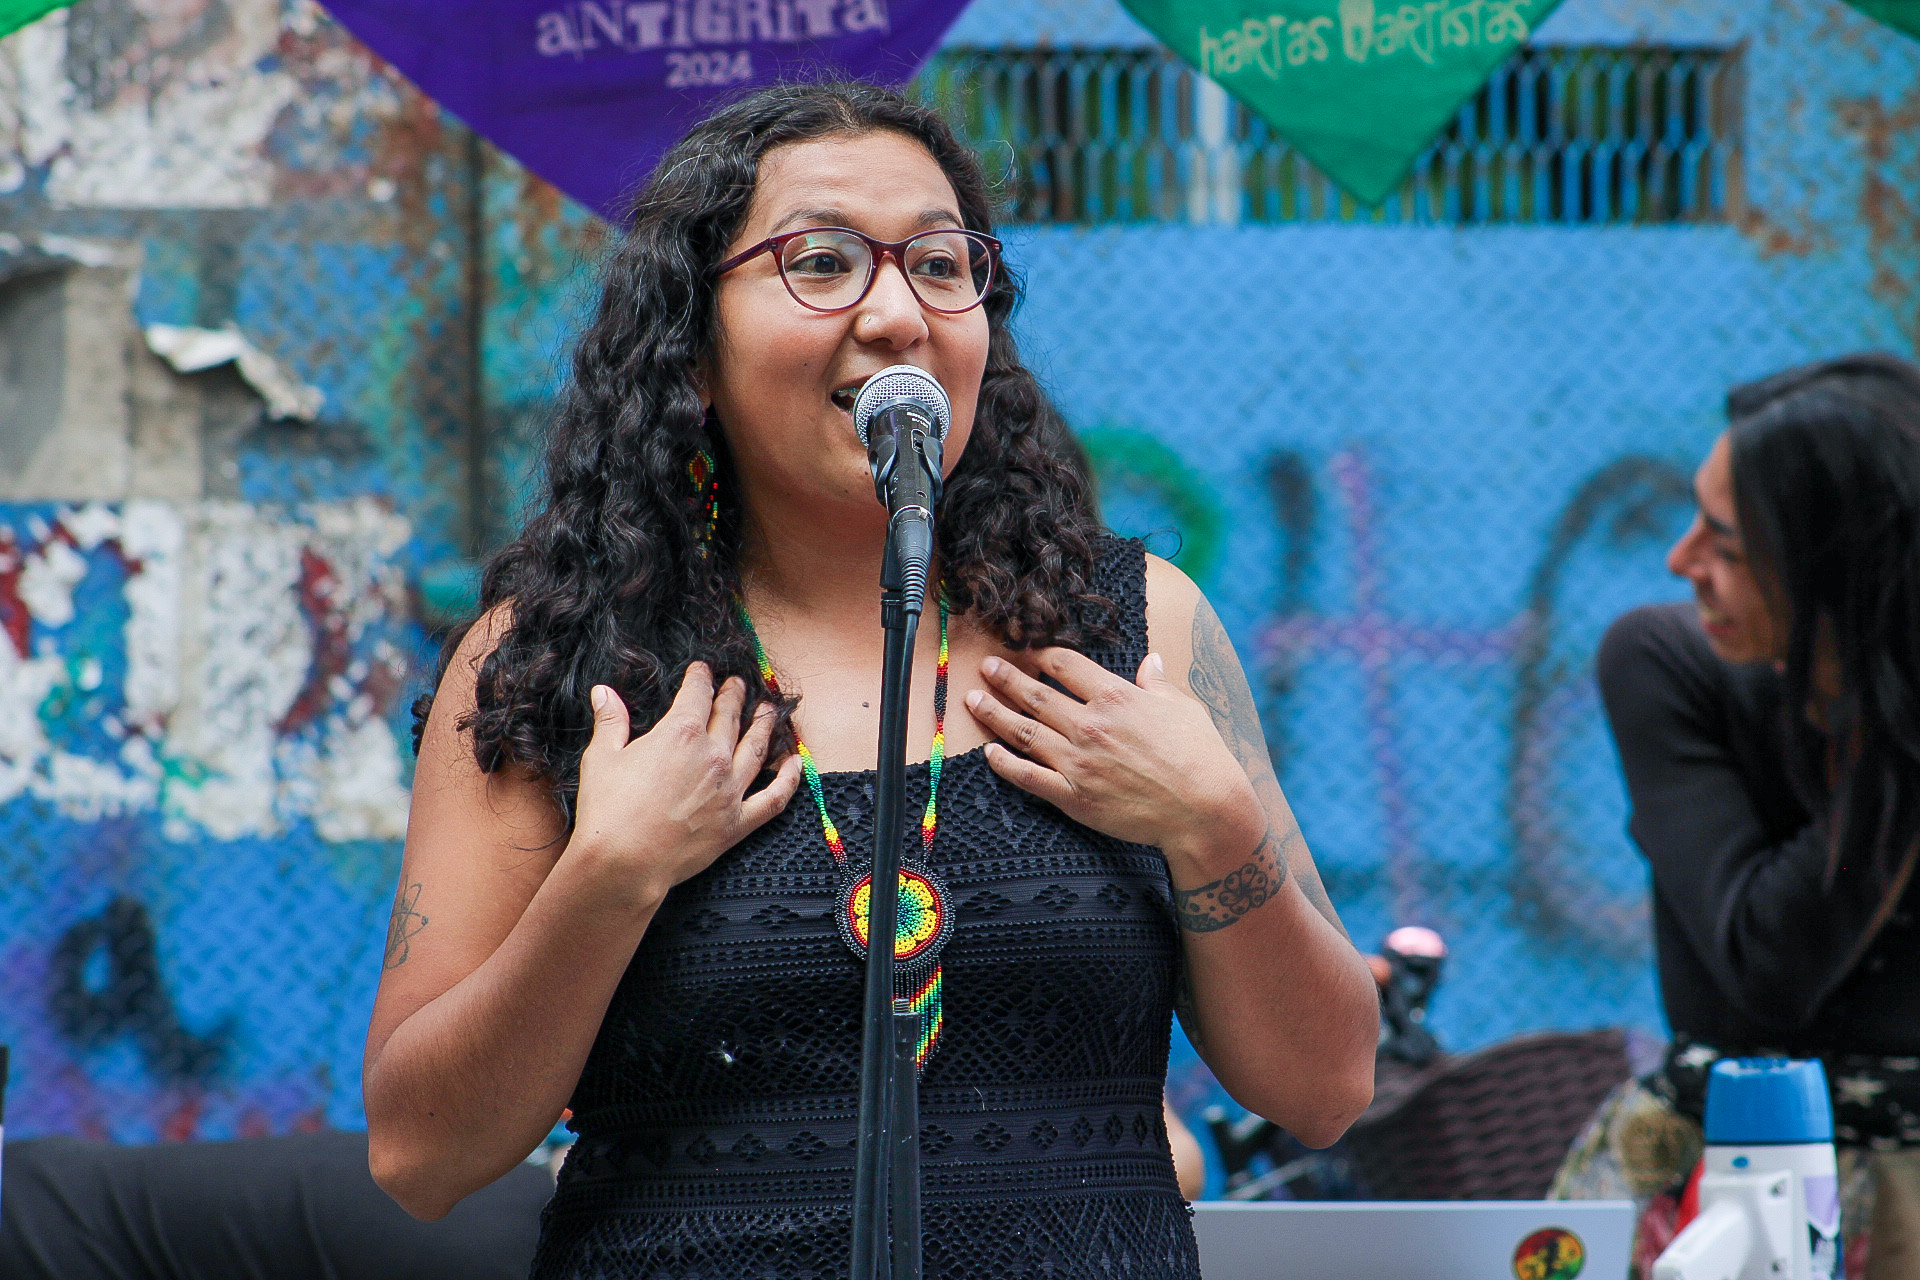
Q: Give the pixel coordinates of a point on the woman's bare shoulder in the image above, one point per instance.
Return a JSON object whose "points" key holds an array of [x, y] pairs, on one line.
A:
{"points": [[1175, 606], [446, 756], [456, 695]]}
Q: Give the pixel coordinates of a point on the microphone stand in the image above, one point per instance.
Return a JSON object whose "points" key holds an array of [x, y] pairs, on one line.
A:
{"points": [[901, 416], [886, 1239]]}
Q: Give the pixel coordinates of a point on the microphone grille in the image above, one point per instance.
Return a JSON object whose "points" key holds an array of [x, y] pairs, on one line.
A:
{"points": [[901, 384]]}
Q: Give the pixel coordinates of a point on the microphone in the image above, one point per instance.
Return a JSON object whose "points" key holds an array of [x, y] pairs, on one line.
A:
{"points": [[901, 415]]}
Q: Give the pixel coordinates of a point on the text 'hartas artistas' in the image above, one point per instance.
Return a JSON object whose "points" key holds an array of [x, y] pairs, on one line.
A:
{"points": [[1427, 32]]}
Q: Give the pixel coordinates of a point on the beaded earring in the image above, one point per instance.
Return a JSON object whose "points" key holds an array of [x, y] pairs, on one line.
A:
{"points": [[706, 493]]}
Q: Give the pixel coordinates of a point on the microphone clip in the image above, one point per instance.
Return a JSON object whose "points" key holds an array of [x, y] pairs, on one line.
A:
{"points": [[915, 435]]}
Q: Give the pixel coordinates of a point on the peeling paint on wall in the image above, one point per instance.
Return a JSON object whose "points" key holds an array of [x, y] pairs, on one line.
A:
{"points": [[34, 92], [224, 637], [137, 104], [162, 106], [202, 790]]}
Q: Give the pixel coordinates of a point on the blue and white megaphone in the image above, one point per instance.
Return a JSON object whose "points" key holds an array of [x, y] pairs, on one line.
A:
{"points": [[1770, 1192]]}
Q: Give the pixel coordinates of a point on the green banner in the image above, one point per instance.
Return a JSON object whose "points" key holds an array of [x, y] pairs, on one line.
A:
{"points": [[1901, 15], [15, 14], [1358, 86]]}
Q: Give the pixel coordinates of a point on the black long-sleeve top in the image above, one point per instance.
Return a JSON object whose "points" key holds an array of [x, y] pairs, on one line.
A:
{"points": [[1754, 949]]}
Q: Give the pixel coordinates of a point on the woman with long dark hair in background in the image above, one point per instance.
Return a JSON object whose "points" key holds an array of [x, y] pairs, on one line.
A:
{"points": [[1769, 732], [607, 901]]}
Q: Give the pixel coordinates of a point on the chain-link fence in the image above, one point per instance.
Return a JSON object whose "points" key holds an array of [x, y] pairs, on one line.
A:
{"points": [[1428, 704], [1418, 456]]}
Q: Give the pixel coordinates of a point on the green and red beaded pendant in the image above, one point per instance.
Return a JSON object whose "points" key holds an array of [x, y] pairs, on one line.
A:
{"points": [[926, 919]]}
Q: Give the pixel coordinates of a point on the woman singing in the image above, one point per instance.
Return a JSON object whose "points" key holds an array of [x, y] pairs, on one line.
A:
{"points": [[645, 784]]}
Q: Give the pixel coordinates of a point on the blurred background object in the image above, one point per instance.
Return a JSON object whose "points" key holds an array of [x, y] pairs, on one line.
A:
{"points": [[1489, 1125], [1408, 971], [297, 1207]]}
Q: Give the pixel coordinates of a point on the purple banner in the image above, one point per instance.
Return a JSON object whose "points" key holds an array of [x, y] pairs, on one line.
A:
{"points": [[589, 93]]}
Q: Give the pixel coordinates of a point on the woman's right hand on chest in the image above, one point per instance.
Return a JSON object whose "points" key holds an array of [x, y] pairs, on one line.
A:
{"points": [[657, 809]]}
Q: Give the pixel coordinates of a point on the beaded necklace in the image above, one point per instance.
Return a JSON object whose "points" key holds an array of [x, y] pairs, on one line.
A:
{"points": [[925, 920]]}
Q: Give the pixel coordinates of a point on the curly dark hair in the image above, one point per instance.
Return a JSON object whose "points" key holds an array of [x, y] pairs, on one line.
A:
{"points": [[612, 580]]}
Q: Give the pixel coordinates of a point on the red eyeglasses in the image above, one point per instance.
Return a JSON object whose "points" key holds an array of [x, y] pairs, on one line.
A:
{"points": [[830, 269]]}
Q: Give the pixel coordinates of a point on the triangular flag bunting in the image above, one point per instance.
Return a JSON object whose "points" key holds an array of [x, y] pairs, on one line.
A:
{"points": [[15, 14], [1357, 86], [1901, 15], [589, 93]]}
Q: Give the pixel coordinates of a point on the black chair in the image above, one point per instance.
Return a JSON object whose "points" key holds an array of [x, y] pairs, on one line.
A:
{"points": [[1489, 1125]]}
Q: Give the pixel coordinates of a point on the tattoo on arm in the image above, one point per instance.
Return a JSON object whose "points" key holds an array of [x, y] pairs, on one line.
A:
{"points": [[403, 925], [1216, 679], [1224, 901]]}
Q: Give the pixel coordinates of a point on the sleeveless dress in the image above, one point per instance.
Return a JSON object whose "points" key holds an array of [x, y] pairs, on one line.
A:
{"points": [[718, 1108]]}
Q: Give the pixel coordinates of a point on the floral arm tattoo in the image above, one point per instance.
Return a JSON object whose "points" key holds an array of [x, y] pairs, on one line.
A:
{"points": [[1217, 680], [1224, 901]]}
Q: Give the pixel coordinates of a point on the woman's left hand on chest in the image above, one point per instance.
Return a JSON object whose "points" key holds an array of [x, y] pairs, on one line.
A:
{"points": [[1140, 762]]}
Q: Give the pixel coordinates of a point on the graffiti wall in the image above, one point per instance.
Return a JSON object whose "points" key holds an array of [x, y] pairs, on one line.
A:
{"points": [[201, 784], [1418, 467], [209, 612]]}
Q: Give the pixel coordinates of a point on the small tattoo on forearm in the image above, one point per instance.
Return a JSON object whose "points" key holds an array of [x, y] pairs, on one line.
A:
{"points": [[1224, 901], [403, 925]]}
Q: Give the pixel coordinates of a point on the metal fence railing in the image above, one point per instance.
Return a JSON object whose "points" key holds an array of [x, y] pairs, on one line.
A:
{"points": [[1643, 135]]}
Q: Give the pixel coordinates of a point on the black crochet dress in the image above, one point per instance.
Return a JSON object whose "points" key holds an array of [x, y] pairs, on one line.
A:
{"points": [[717, 1110]]}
